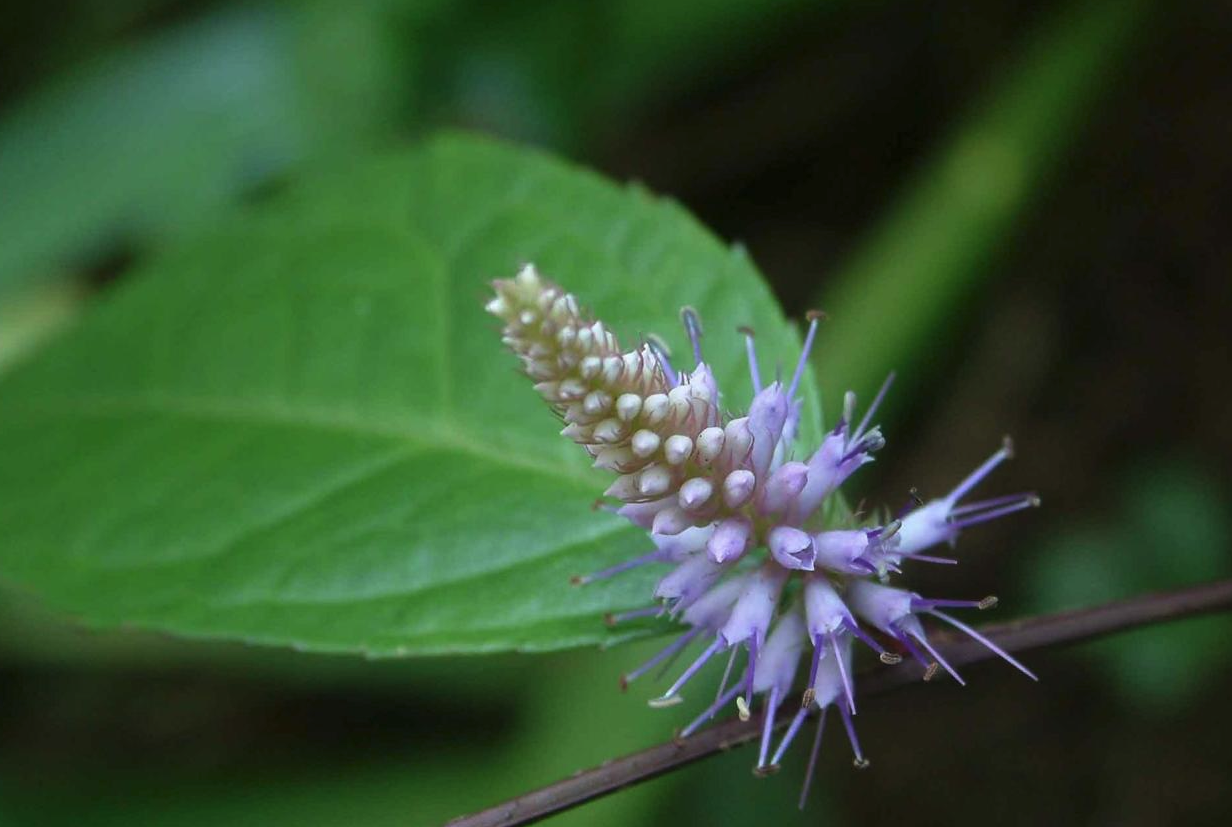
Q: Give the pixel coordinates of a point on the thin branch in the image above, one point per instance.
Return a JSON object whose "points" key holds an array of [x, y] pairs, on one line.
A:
{"points": [[1015, 636]]}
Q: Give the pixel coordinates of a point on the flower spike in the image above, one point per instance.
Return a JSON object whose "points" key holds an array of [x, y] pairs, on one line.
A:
{"points": [[737, 519]]}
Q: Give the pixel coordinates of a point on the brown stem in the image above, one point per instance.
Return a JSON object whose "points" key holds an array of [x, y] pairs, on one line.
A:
{"points": [[1015, 636]]}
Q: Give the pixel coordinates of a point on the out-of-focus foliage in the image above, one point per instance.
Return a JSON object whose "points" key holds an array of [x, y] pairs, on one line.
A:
{"points": [[1173, 528], [298, 428]]}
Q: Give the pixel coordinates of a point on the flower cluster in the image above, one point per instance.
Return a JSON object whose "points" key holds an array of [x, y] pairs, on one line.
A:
{"points": [[738, 519]]}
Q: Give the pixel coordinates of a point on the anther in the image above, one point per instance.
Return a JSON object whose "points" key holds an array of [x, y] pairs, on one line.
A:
{"points": [[890, 658], [806, 700], [742, 708], [1007, 445], [988, 602], [931, 671], [765, 770], [664, 702], [816, 316], [861, 763]]}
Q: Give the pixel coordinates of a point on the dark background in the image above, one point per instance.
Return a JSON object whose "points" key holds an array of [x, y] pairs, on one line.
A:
{"points": [[1082, 296]]}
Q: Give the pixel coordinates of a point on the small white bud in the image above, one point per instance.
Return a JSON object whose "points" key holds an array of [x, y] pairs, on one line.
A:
{"points": [[678, 448], [614, 458], [709, 444], [590, 366], [628, 406], [654, 481], [596, 402], [695, 493], [571, 388], [613, 367], [528, 277], [645, 443], [498, 306], [527, 317], [738, 487], [655, 408], [625, 487], [609, 431], [738, 438]]}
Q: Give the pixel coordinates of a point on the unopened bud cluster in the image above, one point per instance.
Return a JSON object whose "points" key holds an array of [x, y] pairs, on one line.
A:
{"points": [[737, 520]]}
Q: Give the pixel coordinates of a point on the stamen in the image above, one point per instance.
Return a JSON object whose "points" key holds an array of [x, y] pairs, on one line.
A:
{"points": [[860, 762], [693, 327], [888, 658], [975, 477], [1029, 501], [720, 702], [944, 663], [611, 571], [674, 648], [689, 673], [814, 317], [931, 672], [771, 705], [872, 409], [818, 650], [989, 602], [752, 671], [992, 647], [913, 650], [812, 762], [789, 735], [751, 350], [620, 617], [664, 356], [992, 502], [742, 708], [731, 660], [842, 672], [924, 558]]}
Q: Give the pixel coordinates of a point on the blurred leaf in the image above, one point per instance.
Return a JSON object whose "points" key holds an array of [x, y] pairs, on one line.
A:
{"points": [[1173, 530], [299, 429], [157, 135], [901, 288]]}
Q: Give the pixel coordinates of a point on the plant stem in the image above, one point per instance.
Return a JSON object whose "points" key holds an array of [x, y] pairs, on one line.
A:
{"points": [[1015, 636]]}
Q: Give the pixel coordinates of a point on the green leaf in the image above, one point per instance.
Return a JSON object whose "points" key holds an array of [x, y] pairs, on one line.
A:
{"points": [[300, 429]]}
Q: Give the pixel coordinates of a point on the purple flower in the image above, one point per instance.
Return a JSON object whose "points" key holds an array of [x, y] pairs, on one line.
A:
{"points": [[737, 521]]}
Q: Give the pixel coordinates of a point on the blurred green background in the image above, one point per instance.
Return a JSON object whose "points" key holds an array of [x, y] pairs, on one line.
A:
{"points": [[1021, 206]]}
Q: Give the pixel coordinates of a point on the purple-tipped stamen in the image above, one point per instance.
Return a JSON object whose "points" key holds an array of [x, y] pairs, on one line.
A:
{"points": [[1026, 501], [633, 614], [818, 651], [671, 650], [975, 477], [619, 568], [851, 736], [992, 647], [814, 319], [692, 670], [865, 638], [925, 604], [842, 673], [991, 502], [872, 409], [771, 706], [944, 663], [751, 671], [925, 558], [812, 762], [794, 727], [712, 710], [665, 360], [912, 649], [731, 661]]}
